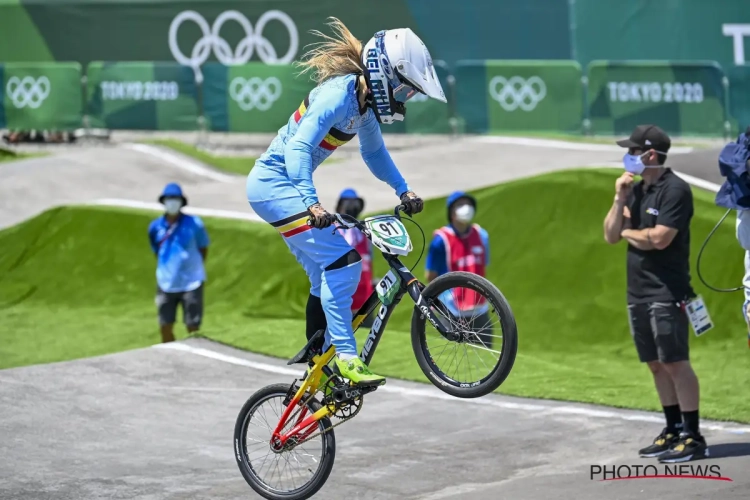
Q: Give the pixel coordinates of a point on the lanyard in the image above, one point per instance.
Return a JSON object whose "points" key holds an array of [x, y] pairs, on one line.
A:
{"points": [[172, 228]]}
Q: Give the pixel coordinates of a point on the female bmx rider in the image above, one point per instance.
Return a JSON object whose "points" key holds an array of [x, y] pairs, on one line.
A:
{"points": [[358, 88]]}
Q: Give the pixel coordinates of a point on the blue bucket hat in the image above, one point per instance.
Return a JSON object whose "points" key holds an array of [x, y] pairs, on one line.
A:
{"points": [[350, 194], [457, 195], [173, 190]]}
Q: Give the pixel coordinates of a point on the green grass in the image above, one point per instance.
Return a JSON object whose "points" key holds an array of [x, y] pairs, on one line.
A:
{"points": [[80, 282], [233, 164], [7, 155]]}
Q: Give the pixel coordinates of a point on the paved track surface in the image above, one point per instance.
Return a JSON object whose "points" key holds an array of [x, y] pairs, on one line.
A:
{"points": [[701, 163], [157, 424], [433, 166]]}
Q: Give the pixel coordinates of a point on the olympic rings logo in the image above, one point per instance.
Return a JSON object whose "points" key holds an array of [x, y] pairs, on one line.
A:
{"points": [[518, 93], [28, 91], [212, 41], [255, 93]]}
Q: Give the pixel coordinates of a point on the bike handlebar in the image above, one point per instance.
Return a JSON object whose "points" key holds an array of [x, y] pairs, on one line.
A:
{"points": [[354, 222]]}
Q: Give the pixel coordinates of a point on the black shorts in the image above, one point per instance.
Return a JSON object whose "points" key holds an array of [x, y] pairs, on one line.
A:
{"points": [[192, 306], [660, 331]]}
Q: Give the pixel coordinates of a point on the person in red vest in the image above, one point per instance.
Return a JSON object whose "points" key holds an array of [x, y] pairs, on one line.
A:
{"points": [[351, 204], [462, 246]]}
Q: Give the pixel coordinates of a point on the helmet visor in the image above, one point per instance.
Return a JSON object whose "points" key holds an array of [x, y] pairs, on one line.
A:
{"points": [[404, 92]]}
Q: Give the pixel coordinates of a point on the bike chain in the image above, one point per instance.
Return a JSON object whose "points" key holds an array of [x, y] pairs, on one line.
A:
{"points": [[342, 419], [324, 431]]}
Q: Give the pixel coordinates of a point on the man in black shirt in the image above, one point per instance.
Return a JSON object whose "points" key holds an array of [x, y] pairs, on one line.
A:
{"points": [[653, 216]]}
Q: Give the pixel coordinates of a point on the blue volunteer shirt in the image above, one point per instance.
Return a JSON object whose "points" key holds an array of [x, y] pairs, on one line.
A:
{"points": [[179, 263], [436, 259]]}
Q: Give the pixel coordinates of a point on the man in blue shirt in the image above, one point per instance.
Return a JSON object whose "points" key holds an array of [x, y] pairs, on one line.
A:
{"points": [[180, 243], [462, 246]]}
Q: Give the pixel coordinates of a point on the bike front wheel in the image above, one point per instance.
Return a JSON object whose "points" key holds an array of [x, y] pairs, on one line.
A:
{"points": [[294, 474], [480, 360]]}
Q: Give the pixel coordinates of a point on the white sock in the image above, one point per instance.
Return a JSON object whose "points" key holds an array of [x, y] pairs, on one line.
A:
{"points": [[345, 356]]}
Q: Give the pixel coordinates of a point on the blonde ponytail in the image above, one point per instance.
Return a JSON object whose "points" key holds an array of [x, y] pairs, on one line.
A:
{"points": [[333, 57]]}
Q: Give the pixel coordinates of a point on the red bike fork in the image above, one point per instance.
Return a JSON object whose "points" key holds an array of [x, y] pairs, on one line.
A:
{"points": [[303, 422], [301, 431]]}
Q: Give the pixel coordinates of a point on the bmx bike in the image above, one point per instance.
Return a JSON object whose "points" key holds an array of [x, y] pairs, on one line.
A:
{"points": [[297, 417]]}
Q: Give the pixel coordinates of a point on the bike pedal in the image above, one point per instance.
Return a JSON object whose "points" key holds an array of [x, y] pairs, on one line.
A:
{"points": [[349, 393], [346, 394], [370, 385]]}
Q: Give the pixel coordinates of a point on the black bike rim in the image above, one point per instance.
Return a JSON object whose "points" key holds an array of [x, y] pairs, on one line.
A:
{"points": [[431, 361]]}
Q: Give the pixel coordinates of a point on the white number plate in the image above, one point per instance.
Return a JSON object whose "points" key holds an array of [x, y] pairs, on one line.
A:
{"points": [[389, 235], [389, 227], [387, 287]]}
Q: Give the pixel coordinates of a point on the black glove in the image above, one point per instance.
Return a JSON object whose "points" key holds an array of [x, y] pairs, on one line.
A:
{"points": [[413, 204], [319, 217]]}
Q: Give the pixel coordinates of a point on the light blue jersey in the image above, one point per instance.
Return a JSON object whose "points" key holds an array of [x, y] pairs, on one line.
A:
{"points": [[329, 117], [280, 190], [179, 262]]}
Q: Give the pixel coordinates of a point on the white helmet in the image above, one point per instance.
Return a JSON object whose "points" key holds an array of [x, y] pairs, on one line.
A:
{"points": [[397, 67]]}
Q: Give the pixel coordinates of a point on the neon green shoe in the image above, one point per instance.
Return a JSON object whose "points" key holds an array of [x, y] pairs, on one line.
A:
{"points": [[356, 371]]}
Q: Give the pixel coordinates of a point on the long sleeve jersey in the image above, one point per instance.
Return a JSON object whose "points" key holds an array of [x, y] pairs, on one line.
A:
{"points": [[329, 117]]}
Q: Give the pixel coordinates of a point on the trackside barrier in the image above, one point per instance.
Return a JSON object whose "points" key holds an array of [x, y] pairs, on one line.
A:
{"points": [[253, 97], [496, 96], [428, 116], [682, 97], [693, 98], [257, 97], [739, 96], [41, 95], [141, 96]]}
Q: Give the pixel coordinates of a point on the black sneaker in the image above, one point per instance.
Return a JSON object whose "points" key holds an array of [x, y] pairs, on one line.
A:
{"points": [[689, 447], [661, 444]]}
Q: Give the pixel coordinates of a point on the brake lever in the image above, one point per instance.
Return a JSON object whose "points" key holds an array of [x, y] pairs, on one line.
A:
{"points": [[343, 224], [398, 209]]}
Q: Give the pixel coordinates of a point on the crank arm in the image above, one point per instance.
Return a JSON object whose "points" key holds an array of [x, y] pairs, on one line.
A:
{"points": [[420, 304]]}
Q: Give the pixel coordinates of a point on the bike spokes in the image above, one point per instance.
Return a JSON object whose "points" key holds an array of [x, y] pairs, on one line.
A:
{"points": [[476, 323], [280, 470]]}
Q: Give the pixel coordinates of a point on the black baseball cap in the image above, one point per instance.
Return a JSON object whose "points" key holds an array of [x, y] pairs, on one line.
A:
{"points": [[647, 137]]}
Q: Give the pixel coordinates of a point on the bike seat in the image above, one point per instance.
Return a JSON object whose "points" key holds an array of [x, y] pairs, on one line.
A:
{"points": [[313, 347]]}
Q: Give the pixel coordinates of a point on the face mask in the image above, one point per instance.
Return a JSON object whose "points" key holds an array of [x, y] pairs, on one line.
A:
{"points": [[172, 205], [464, 213], [634, 164]]}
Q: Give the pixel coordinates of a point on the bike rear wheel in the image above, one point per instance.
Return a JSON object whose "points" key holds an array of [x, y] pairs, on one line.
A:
{"points": [[437, 355], [256, 459]]}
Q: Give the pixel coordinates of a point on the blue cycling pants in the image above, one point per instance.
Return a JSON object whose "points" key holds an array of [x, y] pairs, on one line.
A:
{"points": [[331, 264]]}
